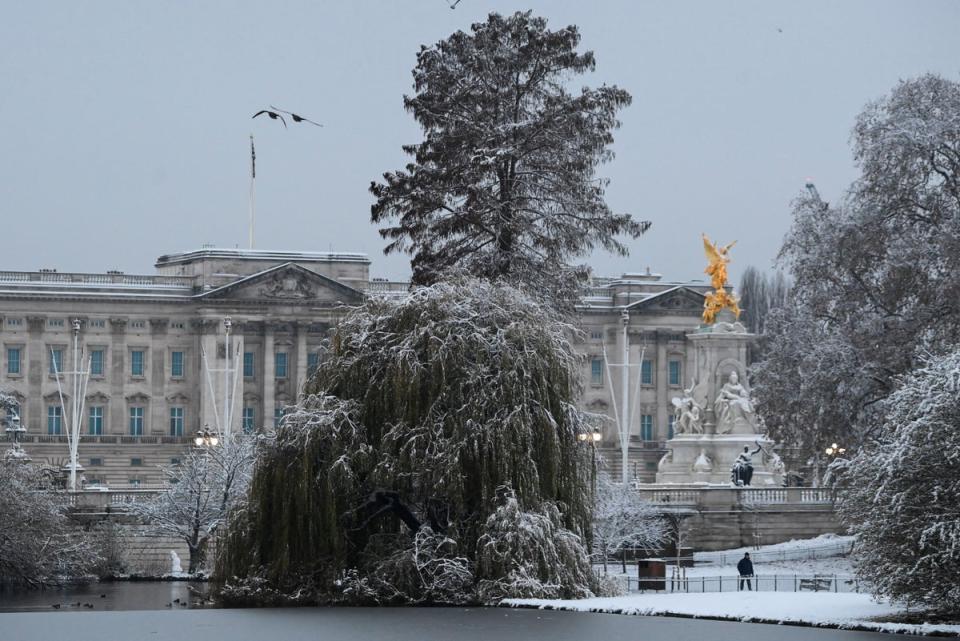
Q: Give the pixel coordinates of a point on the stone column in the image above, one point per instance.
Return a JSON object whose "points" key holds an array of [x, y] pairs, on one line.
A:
{"points": [[118, 376], [269, 376], [159, 421], [207, 353], [301, 358], [36, 355], [663, 388]]}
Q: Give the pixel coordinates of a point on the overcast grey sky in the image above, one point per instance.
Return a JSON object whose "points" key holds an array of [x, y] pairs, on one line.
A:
{"points": [[124, 125]]}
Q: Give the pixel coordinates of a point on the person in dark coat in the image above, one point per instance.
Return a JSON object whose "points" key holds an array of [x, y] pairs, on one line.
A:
{"points": [[745, 568]]}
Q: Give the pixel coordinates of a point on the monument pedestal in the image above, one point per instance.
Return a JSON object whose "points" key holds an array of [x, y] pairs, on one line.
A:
{"points": [[715, 418]]}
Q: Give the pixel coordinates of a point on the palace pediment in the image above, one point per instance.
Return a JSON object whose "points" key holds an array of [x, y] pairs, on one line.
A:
{"points": [[678, 300], [287, 283]]}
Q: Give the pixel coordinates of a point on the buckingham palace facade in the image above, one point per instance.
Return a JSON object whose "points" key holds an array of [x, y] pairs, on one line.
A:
{"points": [[150, 341]]}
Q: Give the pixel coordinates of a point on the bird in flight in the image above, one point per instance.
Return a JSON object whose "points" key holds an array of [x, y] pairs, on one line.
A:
{"points": [[296, 118], [273, 116], [453, 5]]}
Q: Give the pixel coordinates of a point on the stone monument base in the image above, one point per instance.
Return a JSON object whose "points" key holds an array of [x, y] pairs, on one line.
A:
{"points": [[708, 459]]}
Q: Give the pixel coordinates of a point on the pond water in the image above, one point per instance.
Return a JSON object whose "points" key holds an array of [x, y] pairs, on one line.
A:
{"points": [[112, 595]]}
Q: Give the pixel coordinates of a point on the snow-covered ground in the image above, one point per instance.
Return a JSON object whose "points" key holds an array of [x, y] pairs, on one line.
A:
{"points": [[822, 546], [823, 556], [824, 609]]}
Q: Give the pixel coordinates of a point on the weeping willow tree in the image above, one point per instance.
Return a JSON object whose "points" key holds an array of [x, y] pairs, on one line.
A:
{"points": [[434, 457]]}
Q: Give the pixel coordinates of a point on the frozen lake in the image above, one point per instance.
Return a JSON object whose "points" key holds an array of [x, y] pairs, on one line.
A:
{"points": [[393, 624], [114, 595]]}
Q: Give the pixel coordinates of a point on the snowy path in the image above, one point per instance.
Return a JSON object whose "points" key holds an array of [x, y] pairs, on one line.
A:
{"points": [[843, 610], [393, 624]]}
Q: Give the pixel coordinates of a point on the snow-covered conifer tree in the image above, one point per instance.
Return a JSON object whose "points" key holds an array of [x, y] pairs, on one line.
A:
{"points": [[503, 185]]}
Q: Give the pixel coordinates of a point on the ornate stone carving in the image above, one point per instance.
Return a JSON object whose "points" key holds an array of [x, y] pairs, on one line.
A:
{"points": [[118, 325], [688, 412], [734, 409], [665, 460], [703, 463], [287, 285], [36, 323]]}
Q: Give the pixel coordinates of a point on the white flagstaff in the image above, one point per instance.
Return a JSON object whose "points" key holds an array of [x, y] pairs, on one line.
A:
{"points": [[253, 180], [78, 391], [224, 422], [623, 417]]}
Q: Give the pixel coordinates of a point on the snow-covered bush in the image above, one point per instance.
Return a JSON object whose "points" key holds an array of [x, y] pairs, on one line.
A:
{"points": [[622, 520], [38, 544], [528, 554], [394, 461], [901, 496]]}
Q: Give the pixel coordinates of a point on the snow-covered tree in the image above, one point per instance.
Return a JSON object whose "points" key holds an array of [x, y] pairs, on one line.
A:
{"points": [[623, 520], [901, 495], [427, 413], [760, 294], [503, 185], [205, 486], [876, 278], [38, 544]]}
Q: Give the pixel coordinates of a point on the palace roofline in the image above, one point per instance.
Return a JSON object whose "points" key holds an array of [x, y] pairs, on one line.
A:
{"points": [[262, 254]]}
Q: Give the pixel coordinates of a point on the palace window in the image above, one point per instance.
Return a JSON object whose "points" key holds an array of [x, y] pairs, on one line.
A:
{"points": [[176, 421], [596, 371], [96, 462], [56, 361], [280, 365], [138, 324], [136, 362], [136, 421], [674, 370], [95, 420], [96, 362], [646, 372], [14, 322], [277, 416], [248, 364], [248, 417], [54, 419], [134, 482], [98, 322], [646, 427], [176, 364], [13, 360], [136, 462], [54, 322], [313, 362]]}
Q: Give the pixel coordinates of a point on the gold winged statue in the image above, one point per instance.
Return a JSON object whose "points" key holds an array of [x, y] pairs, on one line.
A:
{"points": [[719, 298]]}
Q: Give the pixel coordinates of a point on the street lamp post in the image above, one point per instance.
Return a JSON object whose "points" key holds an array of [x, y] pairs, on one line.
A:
{"points": [[14, 431], [206, 438]]}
